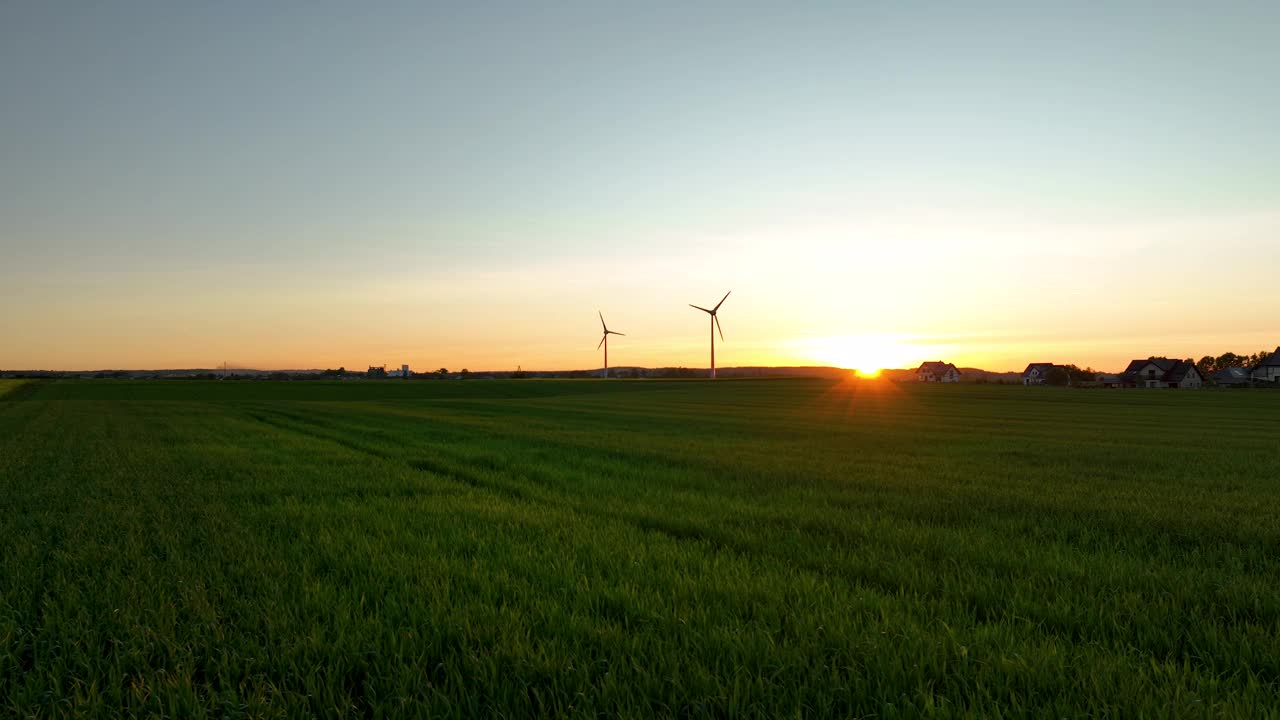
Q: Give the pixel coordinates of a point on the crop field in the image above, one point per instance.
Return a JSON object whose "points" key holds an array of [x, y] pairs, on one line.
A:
{"points": [[8, 386], [762, 548]]}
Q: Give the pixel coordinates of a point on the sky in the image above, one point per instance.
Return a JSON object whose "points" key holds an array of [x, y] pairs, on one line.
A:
{"points": [[310, 185]]}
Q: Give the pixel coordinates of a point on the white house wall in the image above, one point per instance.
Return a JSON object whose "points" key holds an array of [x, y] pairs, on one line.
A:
{"points": [[1145, 380]]}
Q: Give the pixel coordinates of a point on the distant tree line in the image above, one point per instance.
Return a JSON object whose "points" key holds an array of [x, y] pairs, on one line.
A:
{"points": [[1069, 374], [1209, 364]]}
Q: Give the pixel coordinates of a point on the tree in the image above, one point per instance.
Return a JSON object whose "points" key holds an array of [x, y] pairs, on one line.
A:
{"points": [[1077, 375], [1207, 364], [442, 372], [1058, 376]]}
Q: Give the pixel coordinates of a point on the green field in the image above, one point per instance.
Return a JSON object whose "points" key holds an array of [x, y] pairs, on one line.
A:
{"points": [[581, 548], [8, 386]]}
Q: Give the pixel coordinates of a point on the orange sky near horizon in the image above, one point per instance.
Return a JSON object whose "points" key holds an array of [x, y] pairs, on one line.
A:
{"points": [[843, 302]]}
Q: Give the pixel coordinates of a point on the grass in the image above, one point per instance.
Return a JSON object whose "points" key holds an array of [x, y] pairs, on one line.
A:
{"points": [[637, 549], [9, 386]]}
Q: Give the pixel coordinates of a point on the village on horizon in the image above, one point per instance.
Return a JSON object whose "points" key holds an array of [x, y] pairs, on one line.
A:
{"points": [[1261, 369]]}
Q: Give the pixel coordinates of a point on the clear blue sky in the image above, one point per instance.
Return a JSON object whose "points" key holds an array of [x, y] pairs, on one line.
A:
{"points": [[186, 183]]}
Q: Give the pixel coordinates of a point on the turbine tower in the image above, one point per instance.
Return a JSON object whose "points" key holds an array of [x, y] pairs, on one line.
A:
{"points": [[715, 326], [604, 340]]}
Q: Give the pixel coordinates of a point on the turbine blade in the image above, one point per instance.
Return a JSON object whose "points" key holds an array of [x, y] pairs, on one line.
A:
{"points": [[717, 319], [726, 296], [616, 333], [700, 308], [606, 327], [600, 343]]}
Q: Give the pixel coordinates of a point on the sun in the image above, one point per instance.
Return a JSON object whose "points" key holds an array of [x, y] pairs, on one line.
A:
{"points": [[865, 354]]}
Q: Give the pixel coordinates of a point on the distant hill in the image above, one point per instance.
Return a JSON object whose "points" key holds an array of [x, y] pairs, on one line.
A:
{"points": [[976, 374], [814, 371], [967, 374]]}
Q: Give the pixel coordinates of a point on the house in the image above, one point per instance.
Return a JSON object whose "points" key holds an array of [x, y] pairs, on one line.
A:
{"points": [[1037, 373], [937, 372], [1162, 373], [1110, 381], [1231, 377], [1269, 369]]}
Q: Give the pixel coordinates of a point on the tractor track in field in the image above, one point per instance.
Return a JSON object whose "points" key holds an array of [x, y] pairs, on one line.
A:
{"points": [[24, 390], [453, 472]]}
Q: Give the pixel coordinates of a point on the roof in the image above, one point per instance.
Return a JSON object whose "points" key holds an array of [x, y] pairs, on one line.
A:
{"points": [[936, 366], [1165, 364], [1179, 371], [1171, 371], [1237, 374], [1042, 367]]}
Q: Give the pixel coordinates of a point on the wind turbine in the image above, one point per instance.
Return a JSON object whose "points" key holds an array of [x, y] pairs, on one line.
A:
{"points": [[604, 340], [715, 325]]}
